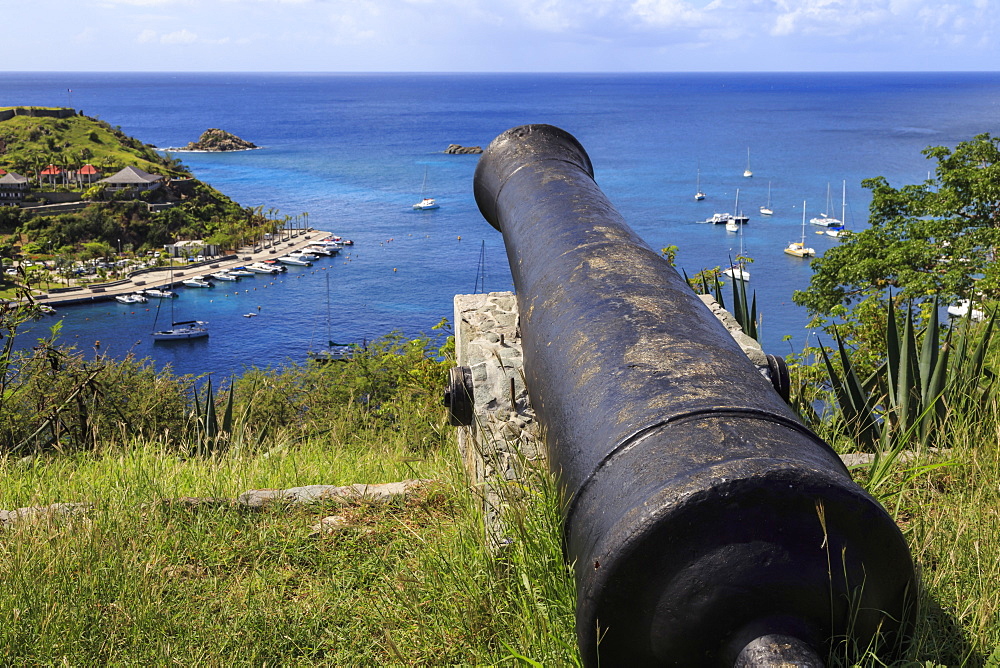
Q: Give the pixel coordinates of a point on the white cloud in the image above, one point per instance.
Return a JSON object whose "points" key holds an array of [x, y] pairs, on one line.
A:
{"points": [[184, 36], [668, 13]]}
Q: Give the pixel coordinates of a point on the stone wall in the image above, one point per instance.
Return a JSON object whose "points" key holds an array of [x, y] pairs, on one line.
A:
{"points": [[7, 114], [501, 443]]}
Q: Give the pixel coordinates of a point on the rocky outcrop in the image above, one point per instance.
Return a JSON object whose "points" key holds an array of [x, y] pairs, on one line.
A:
{"points": [[215, 139], [457, 149]]}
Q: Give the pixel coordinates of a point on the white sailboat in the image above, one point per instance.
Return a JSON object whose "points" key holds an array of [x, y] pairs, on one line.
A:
{"points": [[746, 172], [699, 195], [426, 203], [839, 231], [766, 209], [825, 219], [739, 218], [798, 248], [738, 270]]}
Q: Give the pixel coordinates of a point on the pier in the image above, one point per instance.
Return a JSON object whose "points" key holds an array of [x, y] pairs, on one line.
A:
{"points": [[160, 277]]}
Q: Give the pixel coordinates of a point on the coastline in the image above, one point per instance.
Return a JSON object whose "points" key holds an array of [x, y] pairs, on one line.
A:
{"points": [[160, 276]]}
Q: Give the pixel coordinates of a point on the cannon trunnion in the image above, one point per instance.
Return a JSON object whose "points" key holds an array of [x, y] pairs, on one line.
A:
{"points": [[707, 525]]}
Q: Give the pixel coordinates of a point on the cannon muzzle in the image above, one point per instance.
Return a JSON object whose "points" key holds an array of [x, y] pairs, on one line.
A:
{"points": [[707, 525]]}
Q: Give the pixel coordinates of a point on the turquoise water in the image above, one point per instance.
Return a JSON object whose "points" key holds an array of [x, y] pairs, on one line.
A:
{"points": [[351, 150]]}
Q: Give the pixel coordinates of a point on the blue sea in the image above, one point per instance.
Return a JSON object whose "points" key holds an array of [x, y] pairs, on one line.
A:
{"points": [[353, 151]]}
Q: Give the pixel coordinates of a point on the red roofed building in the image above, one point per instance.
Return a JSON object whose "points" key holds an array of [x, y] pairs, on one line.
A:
{"points": [[51, 174], [87, 174]]}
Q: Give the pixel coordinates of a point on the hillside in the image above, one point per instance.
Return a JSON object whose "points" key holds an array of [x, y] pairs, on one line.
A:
{"points": [[182, 208], [29, 143]]}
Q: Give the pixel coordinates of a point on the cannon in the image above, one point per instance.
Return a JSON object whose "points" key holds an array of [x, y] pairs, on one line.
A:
{"points": [[706, 524]]}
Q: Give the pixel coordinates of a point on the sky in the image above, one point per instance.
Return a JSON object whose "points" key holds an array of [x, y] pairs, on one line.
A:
{"points": [[500, 35]]}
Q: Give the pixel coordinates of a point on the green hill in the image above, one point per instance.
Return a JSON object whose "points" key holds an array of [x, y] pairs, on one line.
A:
{"points": [[30, 142], [31, 138]]}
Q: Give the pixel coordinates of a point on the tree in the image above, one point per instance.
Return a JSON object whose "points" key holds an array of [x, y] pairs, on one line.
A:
{"points": [[935, 238]]}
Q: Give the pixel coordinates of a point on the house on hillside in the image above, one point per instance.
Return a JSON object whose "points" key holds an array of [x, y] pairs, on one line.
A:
{"points": [[133, 178], [13, 188], [52, 175], [87, 174]]}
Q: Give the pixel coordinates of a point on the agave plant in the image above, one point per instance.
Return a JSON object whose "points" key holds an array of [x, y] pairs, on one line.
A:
{"points": [[909, 394], [210, 435], [745, 313]]}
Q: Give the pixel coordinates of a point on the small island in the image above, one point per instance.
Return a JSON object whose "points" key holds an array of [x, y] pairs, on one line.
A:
{"points": [[458, 149], [217, 140]]}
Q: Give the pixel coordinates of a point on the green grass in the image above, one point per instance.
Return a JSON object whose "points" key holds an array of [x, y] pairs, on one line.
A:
{"points": [[34, 142], [140, 581]]}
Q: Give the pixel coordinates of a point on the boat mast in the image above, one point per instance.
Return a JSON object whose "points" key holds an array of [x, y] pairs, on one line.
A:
{"points": [[803, 224], [843, 206]]}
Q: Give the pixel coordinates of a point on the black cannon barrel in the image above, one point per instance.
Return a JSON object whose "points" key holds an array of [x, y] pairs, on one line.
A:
{"points": [[704, 520]]}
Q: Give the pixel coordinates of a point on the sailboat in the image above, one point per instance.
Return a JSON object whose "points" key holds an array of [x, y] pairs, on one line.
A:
{"points": [[798, 248], [824, 219], [699, 195], [426, 203], [738, 270], [183, 329], [335, 352], [839, 231], [747, 172], [739, 218], [766, 209]]}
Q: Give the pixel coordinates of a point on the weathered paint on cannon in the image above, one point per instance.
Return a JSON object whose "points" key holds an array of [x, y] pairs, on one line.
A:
{"points": [[704, 520]]}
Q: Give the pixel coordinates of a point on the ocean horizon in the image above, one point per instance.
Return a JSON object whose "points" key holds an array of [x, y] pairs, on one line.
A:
{"points": [[354, 151]]}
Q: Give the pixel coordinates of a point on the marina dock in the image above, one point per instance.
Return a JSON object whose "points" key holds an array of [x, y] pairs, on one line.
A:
{"points": [[161, 277]]}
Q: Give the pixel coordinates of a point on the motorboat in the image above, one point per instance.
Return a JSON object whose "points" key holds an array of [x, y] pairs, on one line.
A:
{"points": [[823, 220], [288, 259], [261, 268], [738, 272], [303, 255], [240, 272], [329, 251], [134, 298], [719, 218], [197, 282], [963, 309], [426, 204], [224, 276], [188, 329], [732, 225], [798, 248], [158, 293]]}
